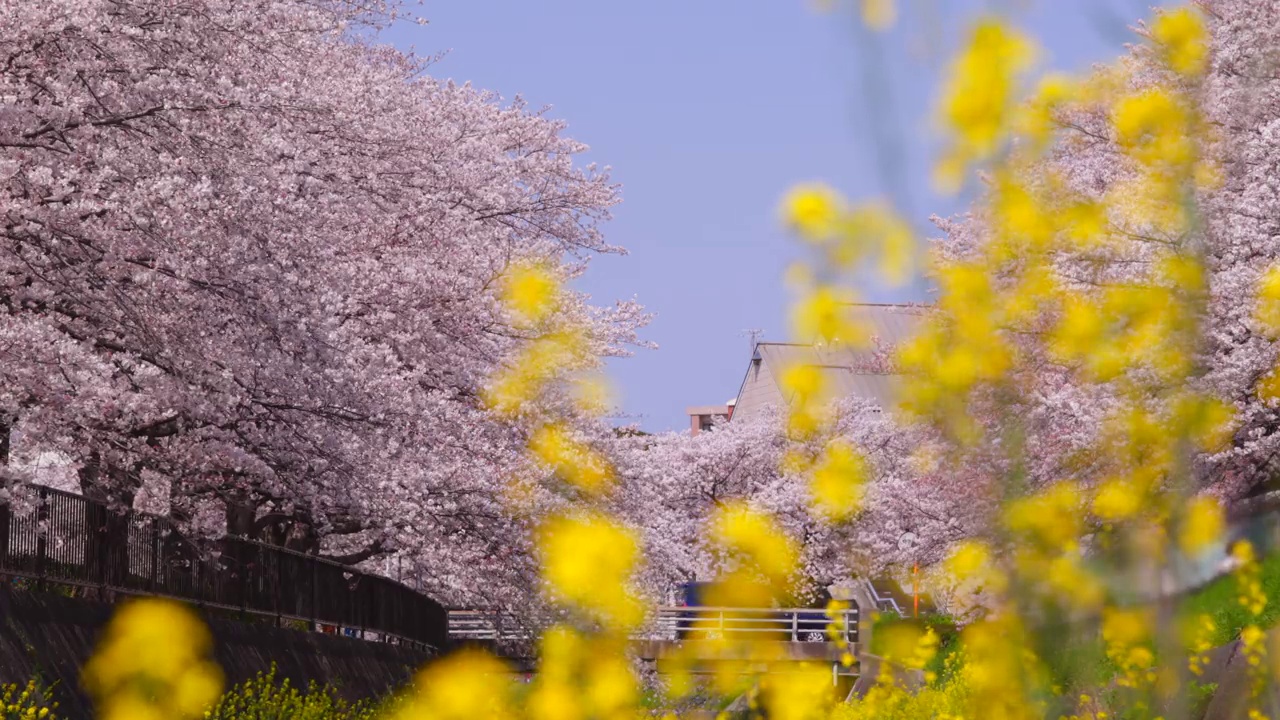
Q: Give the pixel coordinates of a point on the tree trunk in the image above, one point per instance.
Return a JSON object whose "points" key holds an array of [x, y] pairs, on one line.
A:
{"points": [[237, 555], [302, 537], [6, 430], [110, 491], [241, 515]]}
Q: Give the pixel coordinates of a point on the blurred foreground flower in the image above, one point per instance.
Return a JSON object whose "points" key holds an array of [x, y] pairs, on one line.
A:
{"points": [[153, 664], [980, 98], [466, 685], [587, 562]]}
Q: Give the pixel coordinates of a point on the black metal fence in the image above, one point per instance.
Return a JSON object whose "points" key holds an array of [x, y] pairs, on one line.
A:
{"points": [[70, 540]]}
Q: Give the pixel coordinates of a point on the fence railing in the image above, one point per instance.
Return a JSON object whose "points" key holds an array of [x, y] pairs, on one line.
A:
{"points": [[884, 603], [69, 540], [681, 623], [785, 624]]}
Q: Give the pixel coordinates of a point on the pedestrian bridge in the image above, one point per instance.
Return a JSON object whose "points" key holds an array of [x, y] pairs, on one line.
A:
{"points": [[799, 633]]}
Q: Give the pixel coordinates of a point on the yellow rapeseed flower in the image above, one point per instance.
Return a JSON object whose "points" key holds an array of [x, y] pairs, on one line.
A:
{"points": [[1154, 126], [1203, 523], [755, 540], [1183, 273], [1117, 500], [968, 559], [1183, 40], [1126, 626], [514, 388], [802, 382], [592, 393], [1051, 516], [153, 661], [1085, 222], [825, 315], [571, 459], [461, 686], [965, 286], [802, 692], [612, 690], [1080, 329], [1023, 220], [1268, 309], [874, 227], [1037, 288], [838, 482], [587, 562], [813, 211], [530, 291], [1208, 422], [1036, 118], [1067, 578], [979, 95]]}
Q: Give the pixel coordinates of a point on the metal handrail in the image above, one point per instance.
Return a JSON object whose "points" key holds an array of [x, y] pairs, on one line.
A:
{"points": [[68, 539], [483, 625], [883, 602], [798, 624], [673, 623]]}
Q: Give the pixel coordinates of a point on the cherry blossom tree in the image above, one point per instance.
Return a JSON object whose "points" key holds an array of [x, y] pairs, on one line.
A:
{"points": [[674, 482], [1064, 414], [253, 255]]}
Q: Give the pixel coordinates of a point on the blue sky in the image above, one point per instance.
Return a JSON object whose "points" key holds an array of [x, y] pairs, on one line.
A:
{"points": [[707, 111]]}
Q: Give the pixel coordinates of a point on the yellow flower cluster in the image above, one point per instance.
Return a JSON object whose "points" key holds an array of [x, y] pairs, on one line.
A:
{"points": [[757, 562], [1128, 633], [531, 293], [514, 392], [1045, 529], [1199, 641], [25, 703], [1127, 328], [801, 692], [827, 315], [960, 349], [1267, 313], [848, 234], [905, 649], [1249, 583], [1158, 127], [571, 459], [587, 562], [152, 664], [837, 481], [971, 562], [980, 97], [583, 676], [1012, 305], [1182, 38], [1001, 671], [1203, 523], [760, 558], [838, 629], [465, 685], [587, 557]]}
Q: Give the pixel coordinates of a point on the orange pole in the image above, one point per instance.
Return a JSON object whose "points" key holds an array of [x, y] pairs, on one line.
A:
{"points": [[915, 590]]}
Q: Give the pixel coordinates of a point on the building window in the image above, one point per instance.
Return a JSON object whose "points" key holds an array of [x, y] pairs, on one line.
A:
{"points": [[704, 423]]}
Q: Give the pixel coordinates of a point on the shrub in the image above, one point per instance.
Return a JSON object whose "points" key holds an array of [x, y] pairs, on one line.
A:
{"points": [[265, 698], [26, 702]]}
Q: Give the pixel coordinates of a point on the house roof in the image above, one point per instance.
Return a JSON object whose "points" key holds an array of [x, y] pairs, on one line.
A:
{"points": [[849, 372]]}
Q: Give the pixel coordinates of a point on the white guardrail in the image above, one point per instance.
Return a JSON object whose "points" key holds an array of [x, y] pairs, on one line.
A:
{"points": [[883, 603], [681, 623]]}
